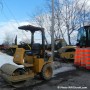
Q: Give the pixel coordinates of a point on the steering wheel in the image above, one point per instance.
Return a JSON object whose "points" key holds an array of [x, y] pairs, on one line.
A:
{"points": [[25, 45], [22, 43]]}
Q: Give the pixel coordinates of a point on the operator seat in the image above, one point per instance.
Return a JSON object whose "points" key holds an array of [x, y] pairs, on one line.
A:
{"points": [[31, 54], [36, 48]]}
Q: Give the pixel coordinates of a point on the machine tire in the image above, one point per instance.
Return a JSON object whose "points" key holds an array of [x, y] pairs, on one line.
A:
{"points": [[47, 72]]}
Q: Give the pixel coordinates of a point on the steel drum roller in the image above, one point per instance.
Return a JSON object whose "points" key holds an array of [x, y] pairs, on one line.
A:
{"points": [[9, 69]]}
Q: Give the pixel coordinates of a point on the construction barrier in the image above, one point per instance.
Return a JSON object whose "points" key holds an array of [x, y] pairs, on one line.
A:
{"points": [[77, 60], [82, 57], [87, 57], [83, 61]]}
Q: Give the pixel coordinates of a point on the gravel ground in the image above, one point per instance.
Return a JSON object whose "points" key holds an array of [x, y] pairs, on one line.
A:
{"points": [[71, 80], [76, 79]]}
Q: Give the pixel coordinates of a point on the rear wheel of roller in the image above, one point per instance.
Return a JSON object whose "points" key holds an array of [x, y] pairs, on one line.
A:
{"points": [[47, 72]]}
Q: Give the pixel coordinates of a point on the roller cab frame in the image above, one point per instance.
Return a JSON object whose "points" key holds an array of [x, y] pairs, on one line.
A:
{"points": [[83, 37], [83, 45], [34, 61]]}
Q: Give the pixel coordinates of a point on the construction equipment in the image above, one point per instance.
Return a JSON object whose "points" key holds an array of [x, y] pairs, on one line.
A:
{"points": [[63, 51], [35, 61], [60, 43], [67, 52], [10, 48], [82, 54]]}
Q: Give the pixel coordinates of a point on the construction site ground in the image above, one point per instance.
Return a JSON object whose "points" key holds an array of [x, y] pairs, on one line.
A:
{"points": [[65, 77]]}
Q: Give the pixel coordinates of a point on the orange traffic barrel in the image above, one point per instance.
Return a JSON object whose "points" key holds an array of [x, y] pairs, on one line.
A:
{"points": [[77, 59], [87, 58], [83, 61]]}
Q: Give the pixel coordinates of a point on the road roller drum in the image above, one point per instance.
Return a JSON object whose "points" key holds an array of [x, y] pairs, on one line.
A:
{"points": [[10, 69]]}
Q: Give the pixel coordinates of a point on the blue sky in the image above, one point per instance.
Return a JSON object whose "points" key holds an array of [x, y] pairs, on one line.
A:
{"points": [[21, 9]]}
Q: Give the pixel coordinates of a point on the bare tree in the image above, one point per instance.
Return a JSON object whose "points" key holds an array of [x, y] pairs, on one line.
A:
{"points": [[8, 40], [26, 41], [69, 15]]}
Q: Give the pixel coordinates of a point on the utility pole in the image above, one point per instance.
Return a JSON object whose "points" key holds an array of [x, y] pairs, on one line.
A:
{"points": [[52, 32]]}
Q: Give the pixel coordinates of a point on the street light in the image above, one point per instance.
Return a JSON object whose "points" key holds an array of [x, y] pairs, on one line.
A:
{"points": [[52, 32]]}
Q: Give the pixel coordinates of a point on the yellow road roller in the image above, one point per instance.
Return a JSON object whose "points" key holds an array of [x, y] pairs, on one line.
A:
{"points": [[34, 61], [67, 52]]}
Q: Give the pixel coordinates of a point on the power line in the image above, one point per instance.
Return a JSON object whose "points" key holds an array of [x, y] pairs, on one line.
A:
{"points": [[1, 4], [14, 17], [11, 12]]}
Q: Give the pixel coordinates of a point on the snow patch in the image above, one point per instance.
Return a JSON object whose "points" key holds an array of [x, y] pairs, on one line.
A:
{"points": [[4, 58]]}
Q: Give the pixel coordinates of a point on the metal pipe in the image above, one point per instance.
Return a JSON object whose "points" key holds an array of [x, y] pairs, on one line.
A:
{"points": [[32, 38], [43, 42]]}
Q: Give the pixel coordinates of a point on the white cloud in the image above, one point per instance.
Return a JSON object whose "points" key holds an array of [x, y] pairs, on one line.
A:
{"points": [[11, 28]]}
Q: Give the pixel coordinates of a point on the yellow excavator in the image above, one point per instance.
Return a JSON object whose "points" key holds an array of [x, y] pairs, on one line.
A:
{"points": [[34, 62]]}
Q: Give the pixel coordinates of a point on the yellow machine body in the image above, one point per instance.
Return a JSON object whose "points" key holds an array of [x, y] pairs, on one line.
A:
{"points": [[34, 62], [18, 56], [28, 61], [13, 46], [67, 52], [68, 55], [38, 64], [32, 66]]}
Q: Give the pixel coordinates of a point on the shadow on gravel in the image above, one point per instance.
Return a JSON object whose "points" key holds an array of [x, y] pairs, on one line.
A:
{"points": [[59, 78], [83, 69]]}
